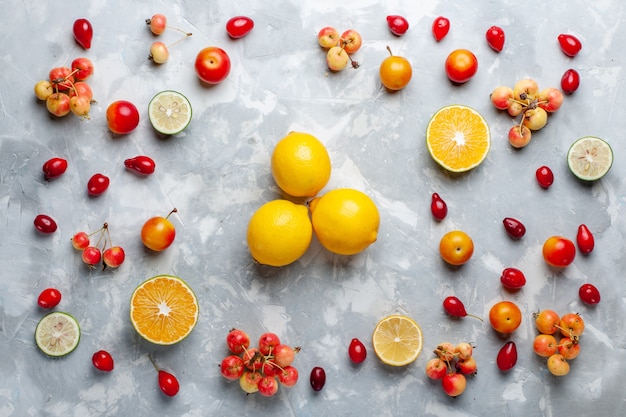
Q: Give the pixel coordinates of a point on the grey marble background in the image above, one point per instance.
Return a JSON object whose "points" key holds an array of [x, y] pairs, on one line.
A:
{"points": [[217, 173]]}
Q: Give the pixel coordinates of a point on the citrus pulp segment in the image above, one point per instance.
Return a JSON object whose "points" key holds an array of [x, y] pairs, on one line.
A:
{"points": [[590, 158], [169, 112], [164, 309], [57, 334], [397, 340], [458, 138]]}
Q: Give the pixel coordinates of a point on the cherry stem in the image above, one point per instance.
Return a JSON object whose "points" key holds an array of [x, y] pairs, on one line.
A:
{"points": [[389, 49], [181, 39], [170, 213], [154, 363], [476, 317]]}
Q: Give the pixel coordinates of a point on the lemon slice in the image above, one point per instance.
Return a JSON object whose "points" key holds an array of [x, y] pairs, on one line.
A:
{"points": [[397, 340], [590, 158], [170, 112], [57, 334], [164, 310], [458, 138]]}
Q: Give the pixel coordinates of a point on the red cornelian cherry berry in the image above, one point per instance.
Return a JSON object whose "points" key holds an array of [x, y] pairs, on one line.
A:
{"points": [[495, 38], [317, 378], [512, 278], [544, 176], [507, 356], [441, 27], [584, 239], [438, 207], [239, 26], [357, 351], [97, 184], [570, 81], [50, 297], [83, 32], [570, 45], [398, 25], [142, 164], [514, 228], [455, 307], [54, 168], [103, 361], [589, 294], [45, 224]]}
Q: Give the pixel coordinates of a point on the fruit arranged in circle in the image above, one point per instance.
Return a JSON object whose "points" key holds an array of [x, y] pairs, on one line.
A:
{"points": [[395, 72], [169, 112], [83, 32], [570, 327], [507, 356], [438, 207], [512, 278], [45, 224], [570, 45], [514, 228], [495, 38], [345, 220], [440, 28], [451, 365], [112, 256], [558, 251], [590, 158], [570, 81], [122, 117], [141, 164], [57, 334], [49, 298], [239, 26], [212, 65], [163, 309], [158, 232], [589, 294], [279, 233], [103, 361], [97, 184], [168, 383], [458, 138], [397, 340], [300, 165], [357, 351], [545, 176], [456, 247], [584, 239], [339, 47], [505, 317], [398, 25], [317, 378], [461, 65], [455, 307]]}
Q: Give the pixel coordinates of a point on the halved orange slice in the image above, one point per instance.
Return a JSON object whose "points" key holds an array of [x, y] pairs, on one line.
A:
{"points": [[458, 138], [164, 310]]}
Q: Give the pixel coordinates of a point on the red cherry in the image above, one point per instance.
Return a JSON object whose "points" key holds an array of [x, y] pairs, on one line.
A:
{"points": [[83, 32], [507, 356], [495, 38], [357, 351], [142, 164], [438, 207], [454, 307], [570, 45], [570, 81], [584, 239], [318, 378], [441, 27], [167, 382], [54, 167], [512, 278], [239, 26], [589, 294], [102, 360], [50, 297], [544, 176], [398, 25], [45, 224], [97, 184], [514, 227]]}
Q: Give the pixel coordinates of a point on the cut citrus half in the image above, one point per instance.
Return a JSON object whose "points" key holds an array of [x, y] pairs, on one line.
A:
{"points": [[458, 138], [590, 158], [164, 310], [397, 340], [57, 334], [169, 112]]}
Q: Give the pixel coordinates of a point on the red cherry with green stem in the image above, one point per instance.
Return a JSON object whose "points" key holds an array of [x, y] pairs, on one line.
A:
{"points": [[584, 239], [454, 307], [357, 351], [45, 224], [83, 32], [514, 227], [54, 167], [318, 378], [495, 38], [167, 382], [441, 27], [103, 361], [438, 207], [570, 45], [570, 81], [589, 294], [50, 297], [141, 164], [97, 184], [507, 356], [545, 176], [398, 25]]}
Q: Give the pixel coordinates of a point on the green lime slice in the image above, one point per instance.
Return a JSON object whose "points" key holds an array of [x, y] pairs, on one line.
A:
{"points": [[170, 112], [57, 334], [590, 158]]}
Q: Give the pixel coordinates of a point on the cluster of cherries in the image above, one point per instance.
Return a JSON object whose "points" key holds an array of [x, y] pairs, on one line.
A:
{"points": [[558, 352], [451, 365], [339, 47], [261, 368], [66, 90], [159, 52], [101, 251]]}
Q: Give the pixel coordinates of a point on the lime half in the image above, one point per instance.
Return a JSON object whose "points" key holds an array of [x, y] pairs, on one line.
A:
{"points": [[590, 158], [57, 334], [170, 112]]}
